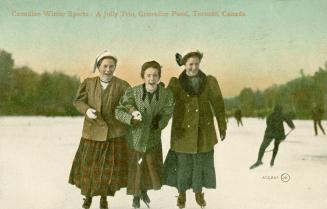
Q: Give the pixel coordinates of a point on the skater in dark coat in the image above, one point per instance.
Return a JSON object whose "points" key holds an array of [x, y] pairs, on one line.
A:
{"points": [[274, 131], [238, 117], [317, 114]]}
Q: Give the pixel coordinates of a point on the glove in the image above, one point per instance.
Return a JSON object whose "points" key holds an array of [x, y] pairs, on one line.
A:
{"points": [[91, 113], [137, 115], [135, 122], [222, 135]]}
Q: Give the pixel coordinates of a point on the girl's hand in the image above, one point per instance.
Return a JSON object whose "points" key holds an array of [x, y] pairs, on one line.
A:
{"points": [[137, 115], [91, 113]]}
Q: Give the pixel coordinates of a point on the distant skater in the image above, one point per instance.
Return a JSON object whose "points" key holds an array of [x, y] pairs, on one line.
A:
{"points": [[238, 117], [274, 131], [317, 114]]}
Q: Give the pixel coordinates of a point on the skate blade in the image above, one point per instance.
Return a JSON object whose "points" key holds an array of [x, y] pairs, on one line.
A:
{"points": [[254, 166], [147, 205], [135, 207]]}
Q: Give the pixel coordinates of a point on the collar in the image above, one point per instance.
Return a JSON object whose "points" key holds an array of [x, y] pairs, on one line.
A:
{"points": [[106, 82], [186, 85], [145, 92]]}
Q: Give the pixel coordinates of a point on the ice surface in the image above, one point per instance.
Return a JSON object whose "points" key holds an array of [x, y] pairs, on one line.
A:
{"points": [[36, 154]]}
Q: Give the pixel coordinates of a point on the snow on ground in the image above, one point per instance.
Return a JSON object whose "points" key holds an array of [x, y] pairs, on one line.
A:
{"points": [[36, 154]]}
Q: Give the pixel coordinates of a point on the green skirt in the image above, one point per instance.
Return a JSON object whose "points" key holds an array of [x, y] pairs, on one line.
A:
{"points": [[100, 167], [189, 171]]}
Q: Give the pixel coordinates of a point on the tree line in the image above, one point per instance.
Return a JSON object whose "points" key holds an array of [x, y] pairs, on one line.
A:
{"points": [[25, 92], [297, 97]]}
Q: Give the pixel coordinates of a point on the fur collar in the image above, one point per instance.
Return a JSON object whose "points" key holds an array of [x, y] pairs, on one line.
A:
{"points": [[186, 85]]}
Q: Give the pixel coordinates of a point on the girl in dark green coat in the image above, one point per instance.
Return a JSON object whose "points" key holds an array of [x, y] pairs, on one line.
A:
{"points": [[190, 161]]}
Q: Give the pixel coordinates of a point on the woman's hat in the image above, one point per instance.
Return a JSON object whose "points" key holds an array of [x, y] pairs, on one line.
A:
{"points": [[103, 54], [181, 60]]}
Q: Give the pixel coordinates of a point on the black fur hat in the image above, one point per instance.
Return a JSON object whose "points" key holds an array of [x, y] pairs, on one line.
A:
{"points": [[181, 60]]}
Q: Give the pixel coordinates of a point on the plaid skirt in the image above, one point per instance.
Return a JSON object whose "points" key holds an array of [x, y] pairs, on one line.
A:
{"points": [[145, 170], [100, 168]]}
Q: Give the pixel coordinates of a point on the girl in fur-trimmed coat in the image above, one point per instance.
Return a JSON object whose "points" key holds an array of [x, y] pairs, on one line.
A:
{"points": [[146, 108], [190, 160]]}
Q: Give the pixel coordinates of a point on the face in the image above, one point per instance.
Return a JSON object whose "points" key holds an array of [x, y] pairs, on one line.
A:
{"points": [[107, 69], [192, 66], [151, 78]]}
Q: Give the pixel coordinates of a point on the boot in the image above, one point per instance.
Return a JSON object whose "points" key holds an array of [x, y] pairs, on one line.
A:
{"points": [[87, 202], [181, 200], [258, 163], [136, 202], [199, 197], [103, 203], [145, 198], [272, 163]]}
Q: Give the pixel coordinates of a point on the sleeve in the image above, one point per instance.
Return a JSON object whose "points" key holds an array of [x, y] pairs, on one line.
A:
{"points": [[322, 111], [125, 87], [172, 86], [81, 100], [126, 102], [168, 109], [289, 122], [217, 103]]}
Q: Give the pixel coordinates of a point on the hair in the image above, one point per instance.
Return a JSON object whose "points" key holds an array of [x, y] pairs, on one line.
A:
{"points": [[278, 108], [107, 57], [153, 64], [192, 54]]}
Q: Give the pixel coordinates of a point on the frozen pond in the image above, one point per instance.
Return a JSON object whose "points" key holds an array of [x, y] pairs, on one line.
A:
{"points": [[36, 154]]}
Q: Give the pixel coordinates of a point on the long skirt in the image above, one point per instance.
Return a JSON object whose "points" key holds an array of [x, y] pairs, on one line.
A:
{"points": [[100, 168], [189, 171], [145, 170]]}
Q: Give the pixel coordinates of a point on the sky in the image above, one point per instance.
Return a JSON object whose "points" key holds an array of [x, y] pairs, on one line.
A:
{"points": [[269, 45]]}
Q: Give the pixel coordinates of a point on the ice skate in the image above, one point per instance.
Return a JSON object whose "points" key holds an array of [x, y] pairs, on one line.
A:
{"points": [[103, 203], [272, 163], [87, 202], [258, 163], [136, 202], [145, 198], [199, 197], [181, 200]]}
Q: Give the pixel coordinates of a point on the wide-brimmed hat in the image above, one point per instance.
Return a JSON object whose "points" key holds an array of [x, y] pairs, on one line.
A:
{"points": [[181, 60]]}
